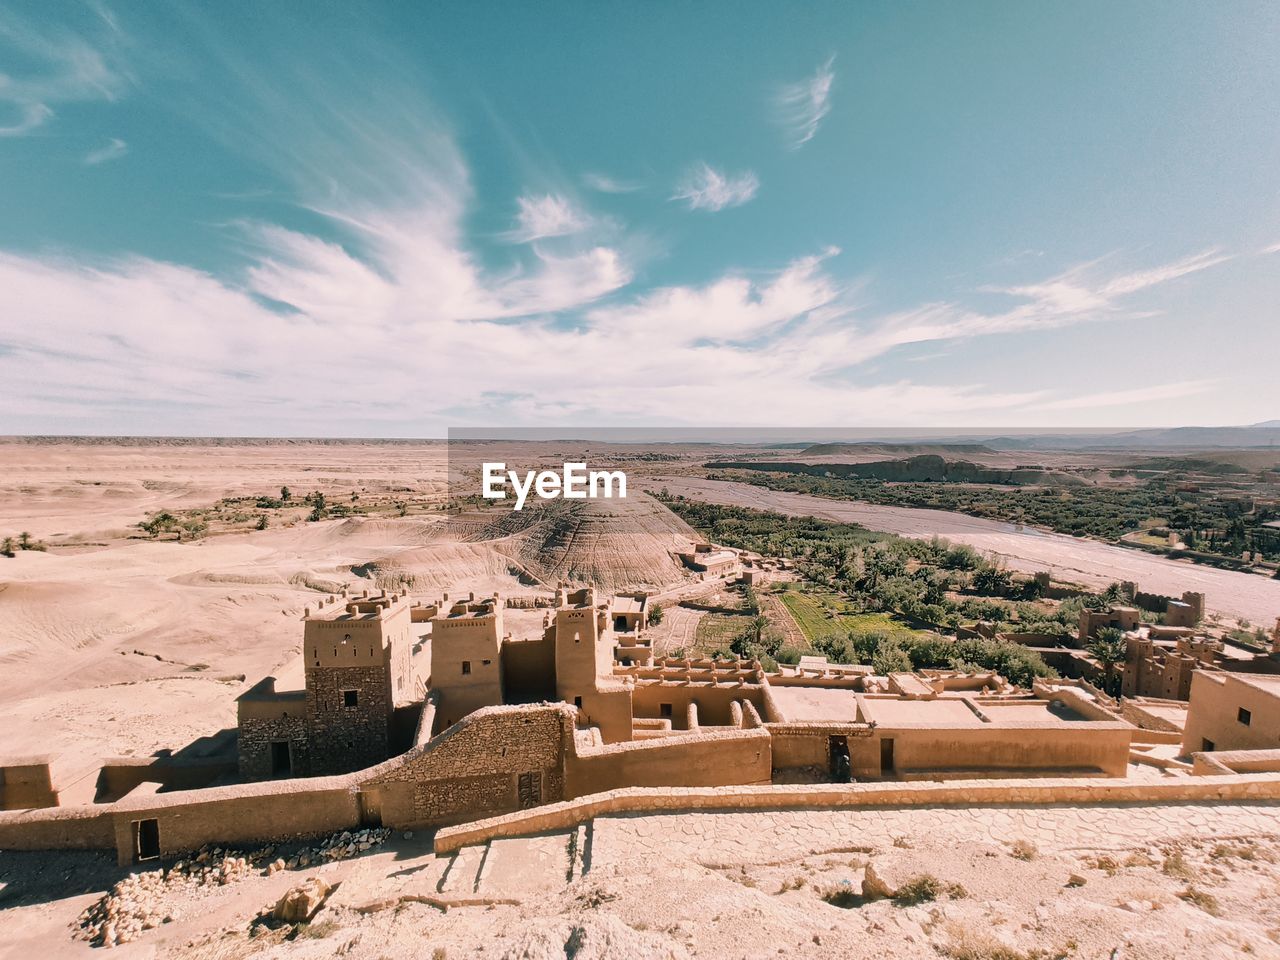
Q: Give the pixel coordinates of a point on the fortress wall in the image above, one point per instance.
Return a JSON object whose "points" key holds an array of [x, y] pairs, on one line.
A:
{"points": [[58, 828], [497, 759], [708, 758], [241, 814], [631, 801]]}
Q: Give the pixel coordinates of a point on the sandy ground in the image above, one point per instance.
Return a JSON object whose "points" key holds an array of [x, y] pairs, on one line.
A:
{"points": [[116, 645], [999, 883], [1237, 595]]}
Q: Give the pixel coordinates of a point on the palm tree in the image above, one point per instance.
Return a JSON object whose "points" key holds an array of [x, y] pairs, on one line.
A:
{"points": [[24, 540], [1109, 648]]}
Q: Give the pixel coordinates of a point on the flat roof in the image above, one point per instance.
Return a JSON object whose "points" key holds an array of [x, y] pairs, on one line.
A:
{"points": [[1028, 711], [815, 703], [1263, 681], [893, 712]]}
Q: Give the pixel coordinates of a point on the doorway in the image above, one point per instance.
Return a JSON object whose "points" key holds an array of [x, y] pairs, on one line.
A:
{"points": [[146, 840], [281, 759], [886, 757], [840, 768]]}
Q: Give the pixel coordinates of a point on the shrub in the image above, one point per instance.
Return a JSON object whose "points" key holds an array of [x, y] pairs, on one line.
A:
{"points": [[919, 889], [1205, 901], [1023, 850]]}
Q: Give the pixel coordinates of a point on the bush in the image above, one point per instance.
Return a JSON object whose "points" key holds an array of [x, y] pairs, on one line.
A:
{"points": [[655, 615], [919, 889]]}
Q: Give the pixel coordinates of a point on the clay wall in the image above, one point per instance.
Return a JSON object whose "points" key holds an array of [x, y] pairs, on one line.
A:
{"points": [[119, 776], [706, 758], [241, 814], [714, 702], [529, 670], [1215, 713], [26, 783], [637, 801], [990, 750]]}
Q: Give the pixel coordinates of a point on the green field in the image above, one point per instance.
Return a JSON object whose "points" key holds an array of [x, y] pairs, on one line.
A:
{"points": [[717, 630], [820, 613]]}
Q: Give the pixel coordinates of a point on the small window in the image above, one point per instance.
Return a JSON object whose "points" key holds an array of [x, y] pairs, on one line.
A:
{"points": [[466, 667], [1244, 716], [486, 662], [664, 709], [351, 698], [1206, 745], [577, 702]]}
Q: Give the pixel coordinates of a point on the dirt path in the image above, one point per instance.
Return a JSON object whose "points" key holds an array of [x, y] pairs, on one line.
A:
{"points": [[1238, 595]]}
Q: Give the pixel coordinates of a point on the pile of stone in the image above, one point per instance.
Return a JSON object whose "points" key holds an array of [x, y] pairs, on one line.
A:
{"points": [[143, 901], [340, 846]]}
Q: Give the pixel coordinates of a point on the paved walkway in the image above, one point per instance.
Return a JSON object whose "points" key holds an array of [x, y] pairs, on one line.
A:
{"points": [[766, 836]]}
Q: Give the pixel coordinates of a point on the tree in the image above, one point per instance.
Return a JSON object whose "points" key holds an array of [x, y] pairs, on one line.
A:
{"points": [[285, 494], [7, 549], [1109, 648], [655, 615], [262, 521], [24, 541], [318, 508], [891, 658]]}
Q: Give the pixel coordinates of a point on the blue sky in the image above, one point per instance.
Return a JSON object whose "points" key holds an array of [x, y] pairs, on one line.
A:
{"points": [[386, 219]]}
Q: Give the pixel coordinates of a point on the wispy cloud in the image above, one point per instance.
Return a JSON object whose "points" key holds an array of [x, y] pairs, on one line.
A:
{"points": [[548, 215], [1136, 395], [113, 150], [1273, 248], [607, 184], [706, 188], [802, 106], [61, 67]]}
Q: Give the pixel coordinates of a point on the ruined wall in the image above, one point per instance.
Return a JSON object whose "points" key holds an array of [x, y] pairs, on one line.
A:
{"points": [[348, 738], [254, 745], [704, 759], [497, 759]]}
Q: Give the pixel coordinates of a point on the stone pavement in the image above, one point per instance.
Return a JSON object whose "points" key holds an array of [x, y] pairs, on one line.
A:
{"points": [[730, 839]]}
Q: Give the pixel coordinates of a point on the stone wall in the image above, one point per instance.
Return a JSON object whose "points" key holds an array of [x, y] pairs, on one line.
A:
{"points": [[26, 783], [348, 738], [497, 759], [255, 739]]}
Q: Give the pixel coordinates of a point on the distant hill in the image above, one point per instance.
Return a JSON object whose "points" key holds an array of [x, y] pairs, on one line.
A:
{"points": [[938, 449], [1259, 435]]}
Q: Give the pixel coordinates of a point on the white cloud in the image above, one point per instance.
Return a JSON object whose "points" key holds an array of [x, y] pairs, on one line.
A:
{"points": [[1135, 395], [548, 215], [706, 188], [113, 150], [607, 184], [802, 106], [414, 336], [62, 68], [1273, 248]]}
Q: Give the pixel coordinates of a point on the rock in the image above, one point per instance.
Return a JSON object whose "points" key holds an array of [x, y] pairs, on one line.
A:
{"points": [[1075, 880], [301, 903]]}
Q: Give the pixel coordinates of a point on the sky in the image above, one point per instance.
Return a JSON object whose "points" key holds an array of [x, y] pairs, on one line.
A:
{"points": [[388, 219]]}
